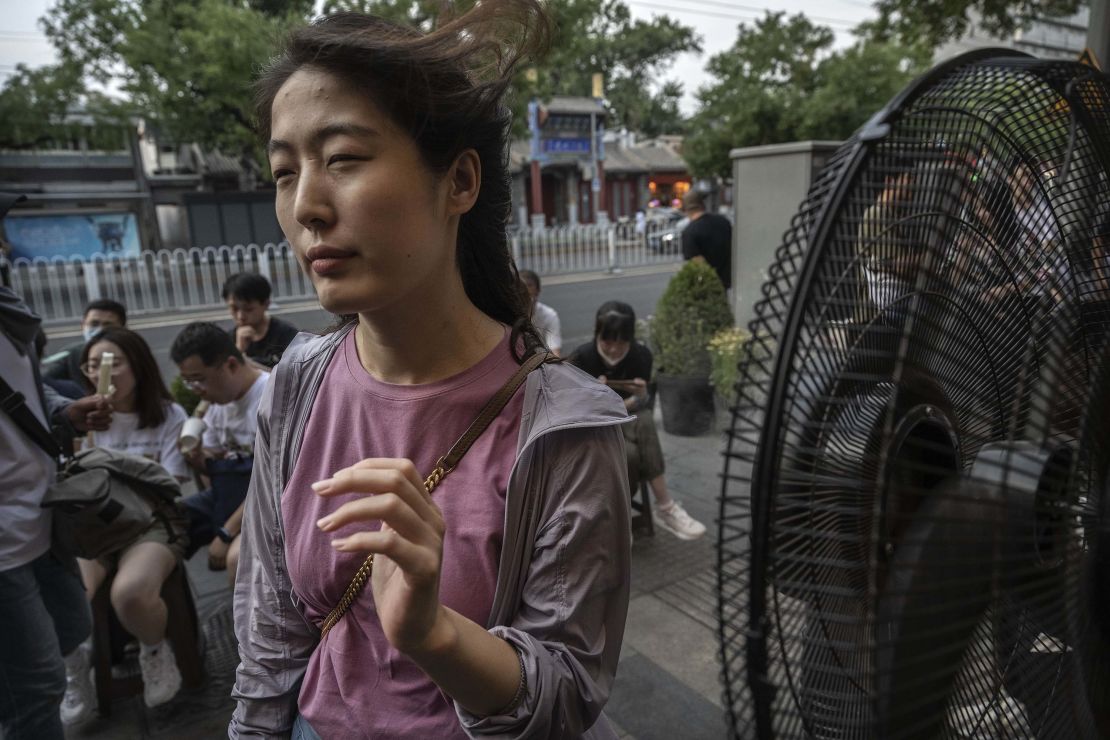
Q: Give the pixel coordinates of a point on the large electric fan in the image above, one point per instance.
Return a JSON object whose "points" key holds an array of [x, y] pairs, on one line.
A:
{"points": [[914, 535]]}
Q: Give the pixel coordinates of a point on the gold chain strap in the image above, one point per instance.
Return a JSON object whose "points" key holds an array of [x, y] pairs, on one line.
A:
{"points": [[362, 575]]}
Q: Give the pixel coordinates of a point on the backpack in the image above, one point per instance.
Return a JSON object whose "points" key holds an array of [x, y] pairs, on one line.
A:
{"points": [[103, 500]]}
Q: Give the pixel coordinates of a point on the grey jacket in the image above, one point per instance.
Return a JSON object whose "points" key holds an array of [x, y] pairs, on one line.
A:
{"points": [[562, 586]]}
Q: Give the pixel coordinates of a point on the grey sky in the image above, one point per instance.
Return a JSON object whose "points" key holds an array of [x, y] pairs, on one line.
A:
{"points": [[715, 21]]}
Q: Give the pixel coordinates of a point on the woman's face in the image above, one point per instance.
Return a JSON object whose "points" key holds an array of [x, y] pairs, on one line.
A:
{"points": [[122, 376], [368, 220], [613, 350]]}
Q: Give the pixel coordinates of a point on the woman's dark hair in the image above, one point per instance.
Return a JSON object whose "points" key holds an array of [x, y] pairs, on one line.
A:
{"points": [[445, 88], [616, 322], [151, 395]]}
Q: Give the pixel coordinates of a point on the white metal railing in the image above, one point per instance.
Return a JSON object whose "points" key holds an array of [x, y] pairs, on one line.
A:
{"points": [[590, 247], [154, 282], [190, 279]]}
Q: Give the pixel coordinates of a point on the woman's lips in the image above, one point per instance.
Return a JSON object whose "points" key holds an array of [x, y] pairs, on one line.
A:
{"points": [[325, 260]]}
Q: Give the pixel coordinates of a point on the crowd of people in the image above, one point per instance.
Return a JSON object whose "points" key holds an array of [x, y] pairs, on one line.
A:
{"points": [[359, 598], [226, 369]]}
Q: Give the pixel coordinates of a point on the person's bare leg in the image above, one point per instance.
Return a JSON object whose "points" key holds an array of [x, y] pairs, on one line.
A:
{"points": [[658, 486], [92, 575], [137, 590]]}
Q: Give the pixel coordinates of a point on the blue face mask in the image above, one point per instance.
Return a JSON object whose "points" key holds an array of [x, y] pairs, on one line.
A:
{"points": [[91, 332]]}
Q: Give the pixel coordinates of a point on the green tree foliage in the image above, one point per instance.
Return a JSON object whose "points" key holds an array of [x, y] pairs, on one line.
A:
{"points": [[601, 36], [780, 81], [935, 21], [589, 36], [36, 107], [186, 66]]}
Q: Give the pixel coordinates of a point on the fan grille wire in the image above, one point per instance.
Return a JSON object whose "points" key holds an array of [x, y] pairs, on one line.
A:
{"points": [[956, 300]]}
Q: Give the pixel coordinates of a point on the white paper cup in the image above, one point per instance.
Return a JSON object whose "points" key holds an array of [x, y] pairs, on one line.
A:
{"points": [[191, 433]]}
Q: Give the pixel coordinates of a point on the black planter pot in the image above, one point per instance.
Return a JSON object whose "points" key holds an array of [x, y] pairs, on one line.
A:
{"points": [[687, 402]]}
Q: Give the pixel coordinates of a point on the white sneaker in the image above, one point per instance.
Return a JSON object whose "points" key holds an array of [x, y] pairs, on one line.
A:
{"points": [[675, 520], [161, 679], [80, 697]]}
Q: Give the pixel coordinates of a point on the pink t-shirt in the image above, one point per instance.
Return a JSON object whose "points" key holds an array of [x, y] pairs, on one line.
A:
{"points": [[356, 684]]}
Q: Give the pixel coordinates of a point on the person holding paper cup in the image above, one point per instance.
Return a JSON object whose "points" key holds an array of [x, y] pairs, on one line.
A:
{"points": [[146, 422]]}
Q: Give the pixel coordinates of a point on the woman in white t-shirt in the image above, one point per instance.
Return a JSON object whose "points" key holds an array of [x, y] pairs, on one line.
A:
{"points": [[145, 421]]}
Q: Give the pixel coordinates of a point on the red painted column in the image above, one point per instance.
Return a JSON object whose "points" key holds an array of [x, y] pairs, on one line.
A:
{"points": [[602, 200], [537, 189]]}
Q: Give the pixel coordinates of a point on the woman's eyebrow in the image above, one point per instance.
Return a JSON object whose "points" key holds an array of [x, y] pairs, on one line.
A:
{"points": [[324, 133]]}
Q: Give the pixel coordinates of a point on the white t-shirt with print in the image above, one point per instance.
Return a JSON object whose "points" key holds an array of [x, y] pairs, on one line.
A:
{"points": [[231, 427], [156, 443]]}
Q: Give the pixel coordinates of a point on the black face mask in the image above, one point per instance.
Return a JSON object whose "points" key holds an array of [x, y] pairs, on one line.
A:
{"points": [[17, 321]]}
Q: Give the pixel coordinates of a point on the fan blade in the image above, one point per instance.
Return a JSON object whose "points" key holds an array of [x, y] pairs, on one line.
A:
{"points": [[939, 584]]}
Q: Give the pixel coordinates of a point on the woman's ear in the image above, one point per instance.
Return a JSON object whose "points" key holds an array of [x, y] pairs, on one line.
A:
{"points": [[464, 180]]}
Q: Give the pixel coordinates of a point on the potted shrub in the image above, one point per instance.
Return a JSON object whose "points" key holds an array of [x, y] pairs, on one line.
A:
{"points": [[692, 309], [726, 349]]}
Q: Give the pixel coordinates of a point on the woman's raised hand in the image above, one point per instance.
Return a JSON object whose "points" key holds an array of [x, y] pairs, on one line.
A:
{"points": [[408, 548]]}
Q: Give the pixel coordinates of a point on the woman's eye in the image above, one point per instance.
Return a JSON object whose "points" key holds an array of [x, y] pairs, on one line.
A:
{"points": [[280, 173], [339, 158]]}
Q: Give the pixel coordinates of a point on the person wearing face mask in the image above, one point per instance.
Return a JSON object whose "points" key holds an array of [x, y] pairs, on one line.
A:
{"points": [[618, 360], [66, 363]]}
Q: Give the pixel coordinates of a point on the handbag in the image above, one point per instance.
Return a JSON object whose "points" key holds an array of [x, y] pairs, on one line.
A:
{"points": [[103, 500], [229, 477], [443, 467]]}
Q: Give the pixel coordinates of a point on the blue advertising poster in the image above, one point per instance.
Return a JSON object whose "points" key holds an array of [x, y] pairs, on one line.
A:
{"points": [[73, 235]]}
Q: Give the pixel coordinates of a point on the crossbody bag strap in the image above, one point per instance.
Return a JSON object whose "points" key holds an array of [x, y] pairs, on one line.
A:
{"points": [[444, 465], [15, 405]]}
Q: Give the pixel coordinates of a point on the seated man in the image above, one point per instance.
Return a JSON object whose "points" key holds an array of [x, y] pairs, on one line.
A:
{"points": [[544, 317], [619, 361], [257, 334], [214, 368], [66, 363]]}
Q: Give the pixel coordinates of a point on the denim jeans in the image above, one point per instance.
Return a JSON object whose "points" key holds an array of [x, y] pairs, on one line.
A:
{"points": [[43, 615], [303, 731]]}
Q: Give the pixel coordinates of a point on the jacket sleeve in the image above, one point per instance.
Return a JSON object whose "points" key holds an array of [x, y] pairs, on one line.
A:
{"points": [[570, 623], [275, 641]]}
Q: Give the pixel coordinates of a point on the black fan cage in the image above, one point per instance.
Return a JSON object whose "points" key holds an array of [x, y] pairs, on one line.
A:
{"points": [[913, 524]]}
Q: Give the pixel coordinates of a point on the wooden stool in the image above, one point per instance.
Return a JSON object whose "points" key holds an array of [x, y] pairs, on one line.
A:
{"points": [[182, 630], [641, 510]]}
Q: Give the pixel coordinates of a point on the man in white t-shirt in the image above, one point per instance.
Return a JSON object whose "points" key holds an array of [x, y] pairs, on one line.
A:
{"points": [[215, 369], [544, 317]]}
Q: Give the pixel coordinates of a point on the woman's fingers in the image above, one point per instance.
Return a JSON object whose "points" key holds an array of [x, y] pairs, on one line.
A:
{"points": [[418, 562], [390, 509], [372, 477]]}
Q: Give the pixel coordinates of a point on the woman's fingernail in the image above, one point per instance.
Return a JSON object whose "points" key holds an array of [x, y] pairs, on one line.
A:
{"points": [[321, 485], [339, 544], [324, 523]]}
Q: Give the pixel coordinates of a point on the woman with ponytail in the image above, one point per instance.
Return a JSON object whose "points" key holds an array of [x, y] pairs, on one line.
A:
{"points": [[387, 588]]}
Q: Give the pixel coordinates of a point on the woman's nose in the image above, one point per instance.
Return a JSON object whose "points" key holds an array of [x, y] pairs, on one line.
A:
{"points": [[313, 208]]}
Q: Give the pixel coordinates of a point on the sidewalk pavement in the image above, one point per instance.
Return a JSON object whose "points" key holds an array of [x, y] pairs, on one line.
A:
{"points": [[667, 685]]}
